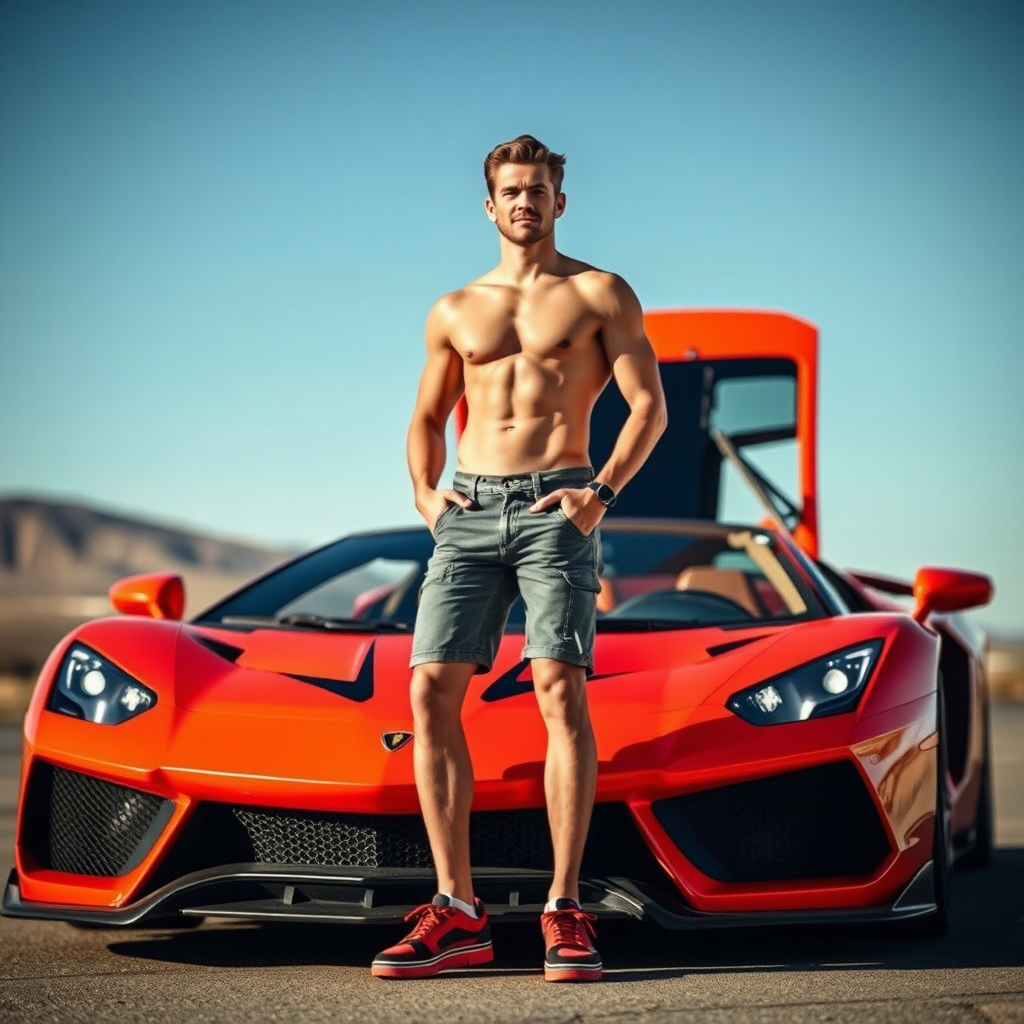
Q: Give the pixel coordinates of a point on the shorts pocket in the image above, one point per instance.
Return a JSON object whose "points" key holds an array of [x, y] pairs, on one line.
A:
{"points": [[438, 571], [579, 611], [445, 512], [583, 579], [560, 515]]}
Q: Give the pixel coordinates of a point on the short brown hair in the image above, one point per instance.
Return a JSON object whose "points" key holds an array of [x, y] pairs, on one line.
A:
{"points": [[524, 149]]}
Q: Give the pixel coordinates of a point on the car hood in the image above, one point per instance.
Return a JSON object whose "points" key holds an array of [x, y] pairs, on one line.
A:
{"points": [[317, 711], [297, 673]]}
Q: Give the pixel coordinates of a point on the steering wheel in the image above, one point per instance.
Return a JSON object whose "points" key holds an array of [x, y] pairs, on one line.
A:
{"points": [[684, 605]]}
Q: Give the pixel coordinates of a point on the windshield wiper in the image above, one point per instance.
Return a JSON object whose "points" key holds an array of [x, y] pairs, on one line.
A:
{"points": [[348, 625], [306, 620], [610, 624]]}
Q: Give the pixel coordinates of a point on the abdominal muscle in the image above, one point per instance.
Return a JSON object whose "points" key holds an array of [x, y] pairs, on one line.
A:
{"points": [[527, 415]]}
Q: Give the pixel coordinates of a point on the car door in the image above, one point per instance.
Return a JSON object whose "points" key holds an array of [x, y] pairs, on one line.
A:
{"points": [[741, 392]]}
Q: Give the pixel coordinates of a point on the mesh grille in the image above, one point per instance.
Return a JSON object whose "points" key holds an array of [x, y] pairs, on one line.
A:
{"points": [[217, 834], [88, 826], [814, 823], [497, 838]]}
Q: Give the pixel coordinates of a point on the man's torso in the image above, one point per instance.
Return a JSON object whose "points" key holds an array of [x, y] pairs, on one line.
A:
{"points": [[533, 363]]}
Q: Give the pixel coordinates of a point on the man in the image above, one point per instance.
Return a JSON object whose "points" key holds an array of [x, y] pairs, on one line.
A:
{"points": [[530, 345]]}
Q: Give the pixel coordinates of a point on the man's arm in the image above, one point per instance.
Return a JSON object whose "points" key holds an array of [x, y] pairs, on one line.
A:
{"points": [[634, 368], [439, 389], [635, 371]]}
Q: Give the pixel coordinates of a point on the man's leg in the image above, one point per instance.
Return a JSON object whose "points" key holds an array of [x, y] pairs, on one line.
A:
{"points": [[444, 774], [570, 776], [558, 574], [570, 768], [445, 933]]}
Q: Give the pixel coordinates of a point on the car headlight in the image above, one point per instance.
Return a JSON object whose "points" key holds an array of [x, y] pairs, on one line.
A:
{"points": [[88, 686], [826, 686]]}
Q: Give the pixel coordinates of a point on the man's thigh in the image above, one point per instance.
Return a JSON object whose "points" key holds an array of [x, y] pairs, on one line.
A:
{"points": [[558, 576], [466, 595]]}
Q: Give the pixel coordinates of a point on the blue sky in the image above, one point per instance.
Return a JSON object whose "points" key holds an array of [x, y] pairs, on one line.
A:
{"points": [[222, 224]]}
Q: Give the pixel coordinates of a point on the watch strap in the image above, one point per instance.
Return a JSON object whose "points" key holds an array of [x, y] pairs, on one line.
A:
{"points": [[604, 493]]}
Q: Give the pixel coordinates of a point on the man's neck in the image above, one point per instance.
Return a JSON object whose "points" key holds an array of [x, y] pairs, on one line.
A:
{"points": [[523, 264]]}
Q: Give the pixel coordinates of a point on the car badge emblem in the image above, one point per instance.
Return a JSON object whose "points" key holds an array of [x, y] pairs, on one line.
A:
{"points": [[394, 740]]}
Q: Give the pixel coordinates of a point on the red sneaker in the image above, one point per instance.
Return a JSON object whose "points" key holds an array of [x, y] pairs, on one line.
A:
{"points": [[442, 938], [569, 937]]}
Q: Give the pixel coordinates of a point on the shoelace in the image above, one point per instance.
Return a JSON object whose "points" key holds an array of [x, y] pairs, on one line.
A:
{"points": [[571, 928], [428, 917]]}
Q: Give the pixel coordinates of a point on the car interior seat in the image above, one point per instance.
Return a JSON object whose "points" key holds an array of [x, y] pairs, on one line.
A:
{"points": [[729, 583]]}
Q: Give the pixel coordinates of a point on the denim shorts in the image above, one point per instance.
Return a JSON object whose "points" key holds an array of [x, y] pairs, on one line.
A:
{"points": [[487, 555]]}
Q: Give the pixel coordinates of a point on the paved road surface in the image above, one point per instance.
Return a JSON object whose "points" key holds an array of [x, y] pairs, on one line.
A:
{"points": [[239, 973]]}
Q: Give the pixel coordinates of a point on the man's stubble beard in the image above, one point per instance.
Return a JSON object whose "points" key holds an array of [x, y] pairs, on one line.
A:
{"points": [[537, 233]]}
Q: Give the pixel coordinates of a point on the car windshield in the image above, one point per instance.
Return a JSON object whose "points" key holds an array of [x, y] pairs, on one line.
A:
{"points": [[664, 574]]}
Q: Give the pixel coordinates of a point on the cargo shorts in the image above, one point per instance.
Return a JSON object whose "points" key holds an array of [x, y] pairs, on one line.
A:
{"points": [[487, 555]]}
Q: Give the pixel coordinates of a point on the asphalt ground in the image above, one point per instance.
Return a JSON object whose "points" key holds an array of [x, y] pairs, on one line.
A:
{"points": [[51, 972]]}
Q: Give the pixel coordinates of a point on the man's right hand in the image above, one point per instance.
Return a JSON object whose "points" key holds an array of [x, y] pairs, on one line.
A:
{"points": [[433, 503]]}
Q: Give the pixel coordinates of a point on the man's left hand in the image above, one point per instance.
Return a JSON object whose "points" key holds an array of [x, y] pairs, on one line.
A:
{"points": [[580, 505]]}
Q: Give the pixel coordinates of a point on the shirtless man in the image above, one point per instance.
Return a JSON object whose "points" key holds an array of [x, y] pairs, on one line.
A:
{"points": [[531, 345]]}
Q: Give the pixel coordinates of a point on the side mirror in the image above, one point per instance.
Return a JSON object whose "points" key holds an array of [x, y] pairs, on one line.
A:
{"points": [[949, 590], [159, 595]]}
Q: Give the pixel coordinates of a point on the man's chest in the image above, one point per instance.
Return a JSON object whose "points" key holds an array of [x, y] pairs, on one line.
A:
{"points": [[554, 323]]}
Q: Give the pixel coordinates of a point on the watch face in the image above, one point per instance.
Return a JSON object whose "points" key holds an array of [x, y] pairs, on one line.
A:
{"points": [[604, 494]]}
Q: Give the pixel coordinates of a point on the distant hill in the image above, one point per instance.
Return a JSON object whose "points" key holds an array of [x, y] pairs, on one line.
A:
{"points": [[50, 547], [58, 559]]}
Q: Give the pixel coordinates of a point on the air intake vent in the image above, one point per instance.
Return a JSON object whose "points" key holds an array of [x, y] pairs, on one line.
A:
{"points": [[225, 651], [732, 645], [87, 826], [815, 823]]}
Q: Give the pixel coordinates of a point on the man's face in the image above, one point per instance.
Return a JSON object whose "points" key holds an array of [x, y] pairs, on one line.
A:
{"points": [[525, 205]]}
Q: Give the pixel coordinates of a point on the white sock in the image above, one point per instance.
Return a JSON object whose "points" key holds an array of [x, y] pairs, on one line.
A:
{"points": [[466, 908], [550, 907]]}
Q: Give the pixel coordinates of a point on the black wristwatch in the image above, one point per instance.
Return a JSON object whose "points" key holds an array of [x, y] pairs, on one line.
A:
{"points": [[604, 493]]}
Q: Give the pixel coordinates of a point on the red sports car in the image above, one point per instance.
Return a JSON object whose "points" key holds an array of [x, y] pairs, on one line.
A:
{"points": [[779, 741]]}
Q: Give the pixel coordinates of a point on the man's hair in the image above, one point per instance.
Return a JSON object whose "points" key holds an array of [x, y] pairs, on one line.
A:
{"points": [[524, 149]]}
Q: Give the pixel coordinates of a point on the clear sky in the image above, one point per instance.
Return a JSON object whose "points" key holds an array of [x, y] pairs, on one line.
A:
{"points": [[222, 223]]}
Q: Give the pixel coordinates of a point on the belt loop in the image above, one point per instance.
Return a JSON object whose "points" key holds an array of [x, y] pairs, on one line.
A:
{"points": [[537, 493], [476, 483]]}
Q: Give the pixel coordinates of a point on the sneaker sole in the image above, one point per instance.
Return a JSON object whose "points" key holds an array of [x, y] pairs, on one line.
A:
{"points": [[572, 973], [472, 956]]}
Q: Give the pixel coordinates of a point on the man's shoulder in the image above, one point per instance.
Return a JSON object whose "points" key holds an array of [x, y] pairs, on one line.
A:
{"points": [[586, 275], [449, 302], [481, 286], [600, 287], [456, 305]]}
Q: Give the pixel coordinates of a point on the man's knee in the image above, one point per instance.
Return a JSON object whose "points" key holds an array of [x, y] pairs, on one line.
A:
{"points": [[436, 692], [561, 691]]}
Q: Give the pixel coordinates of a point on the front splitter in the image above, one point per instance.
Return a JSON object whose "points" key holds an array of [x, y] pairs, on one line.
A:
{"points": [[261, 892]]}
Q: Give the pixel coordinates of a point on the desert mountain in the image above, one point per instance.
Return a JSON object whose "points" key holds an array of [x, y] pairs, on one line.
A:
{"points": [[57, 560], [61, 549]]}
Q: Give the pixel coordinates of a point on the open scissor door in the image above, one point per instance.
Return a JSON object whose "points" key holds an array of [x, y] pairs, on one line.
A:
{"points": [[741, 392]]}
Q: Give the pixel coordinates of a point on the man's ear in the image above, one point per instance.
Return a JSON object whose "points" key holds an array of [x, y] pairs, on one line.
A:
{"points": [[492, 215], [559, 204]]}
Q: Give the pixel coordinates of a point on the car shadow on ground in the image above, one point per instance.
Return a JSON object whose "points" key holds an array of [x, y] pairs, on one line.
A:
{"points": [[987, 931]]}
